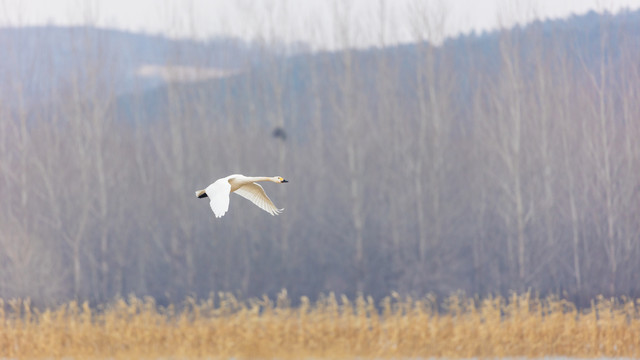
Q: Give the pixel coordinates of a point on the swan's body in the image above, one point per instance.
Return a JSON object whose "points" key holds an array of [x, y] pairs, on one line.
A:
{"points": [[245, 186]]}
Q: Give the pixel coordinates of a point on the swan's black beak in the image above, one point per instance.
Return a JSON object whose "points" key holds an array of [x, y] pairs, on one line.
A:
{"points": [[284, 181]]}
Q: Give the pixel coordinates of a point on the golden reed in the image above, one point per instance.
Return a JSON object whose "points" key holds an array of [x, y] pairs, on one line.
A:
{"points": [[331, 327]]}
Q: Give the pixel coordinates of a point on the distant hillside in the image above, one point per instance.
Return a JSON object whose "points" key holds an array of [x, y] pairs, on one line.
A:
{"points": [[47, 58], [470, 55]]}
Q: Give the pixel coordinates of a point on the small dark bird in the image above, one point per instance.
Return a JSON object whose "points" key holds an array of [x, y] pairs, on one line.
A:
{"points": [[279, 133]]}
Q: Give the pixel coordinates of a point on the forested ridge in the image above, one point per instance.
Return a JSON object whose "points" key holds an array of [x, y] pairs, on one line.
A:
{"points": [[491, 163]]}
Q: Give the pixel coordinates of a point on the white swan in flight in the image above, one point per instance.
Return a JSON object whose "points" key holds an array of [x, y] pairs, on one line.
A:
{"points": [[245, 186]]}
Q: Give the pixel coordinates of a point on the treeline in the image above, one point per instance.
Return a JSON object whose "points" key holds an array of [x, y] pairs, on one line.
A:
{"points": [[505, 162]]}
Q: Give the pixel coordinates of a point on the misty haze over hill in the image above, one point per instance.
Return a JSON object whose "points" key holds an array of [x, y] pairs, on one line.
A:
{"points": [[498, 162], [49, 58]]}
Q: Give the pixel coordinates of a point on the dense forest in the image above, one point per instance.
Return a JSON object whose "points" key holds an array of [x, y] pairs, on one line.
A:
{"points": [[489, 163]]}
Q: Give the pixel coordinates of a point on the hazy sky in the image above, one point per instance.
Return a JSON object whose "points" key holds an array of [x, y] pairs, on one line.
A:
{"points": [[312, 21]]}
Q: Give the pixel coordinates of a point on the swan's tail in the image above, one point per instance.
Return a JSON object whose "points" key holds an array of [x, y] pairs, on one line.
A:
{"points": [[201, 194]]}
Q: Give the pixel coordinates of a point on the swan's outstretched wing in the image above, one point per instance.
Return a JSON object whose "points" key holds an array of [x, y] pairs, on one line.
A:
{"points": [[218, 192], [255, 193]]}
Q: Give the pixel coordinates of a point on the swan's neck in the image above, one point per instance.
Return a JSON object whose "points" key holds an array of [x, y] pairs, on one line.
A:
{"points": [[260, 178]]}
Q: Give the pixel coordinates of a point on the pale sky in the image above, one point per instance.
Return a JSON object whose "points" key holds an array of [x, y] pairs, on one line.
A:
{"points": [[316, 22]]}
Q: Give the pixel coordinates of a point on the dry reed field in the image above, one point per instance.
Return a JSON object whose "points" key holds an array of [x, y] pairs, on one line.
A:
{"points": [[331, 327]]}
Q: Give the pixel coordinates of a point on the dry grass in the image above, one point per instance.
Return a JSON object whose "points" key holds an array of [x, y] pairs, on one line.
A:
{"points": [[332, 327]]}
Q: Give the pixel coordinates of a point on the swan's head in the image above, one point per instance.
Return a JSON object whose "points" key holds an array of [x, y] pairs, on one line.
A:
{"points": [[281, 180]]}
